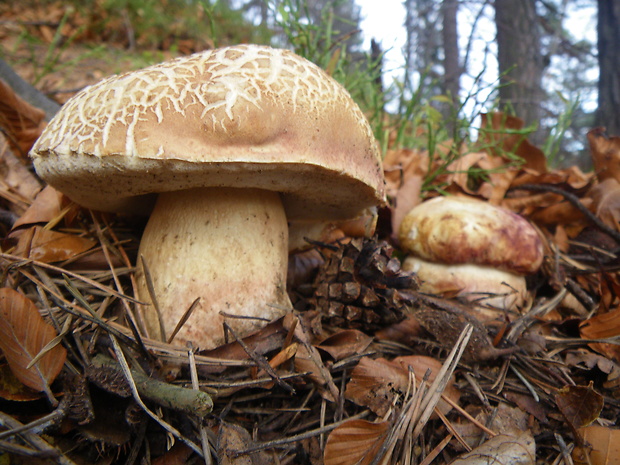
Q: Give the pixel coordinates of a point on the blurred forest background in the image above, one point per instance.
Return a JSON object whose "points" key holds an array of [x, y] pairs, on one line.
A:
{"points": [[552, 63]]}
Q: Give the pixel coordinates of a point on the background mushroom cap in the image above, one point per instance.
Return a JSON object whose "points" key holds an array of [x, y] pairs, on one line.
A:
{"points": [[458, 230], [243, 116]]}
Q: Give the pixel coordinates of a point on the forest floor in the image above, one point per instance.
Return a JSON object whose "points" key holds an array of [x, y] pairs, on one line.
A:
{"points": [[414, 378]]}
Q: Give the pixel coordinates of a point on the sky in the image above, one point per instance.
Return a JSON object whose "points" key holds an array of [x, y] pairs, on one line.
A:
{"points": [[384, 21]]}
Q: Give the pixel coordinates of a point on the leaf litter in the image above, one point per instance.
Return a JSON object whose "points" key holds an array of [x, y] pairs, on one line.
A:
{"points": [[329, 383]]}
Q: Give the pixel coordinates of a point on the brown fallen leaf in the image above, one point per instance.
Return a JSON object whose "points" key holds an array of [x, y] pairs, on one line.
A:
{"points": [[356, 442], [21, 121], [407, 197], [580, 405], [178, 454], [499, 130], [308, 358], [345, 343], [46, 206], [400, 165], [375, 383], [48, 246], [605, 153], [233, 439], [502, 450], [20, 184], [23, 333], [605, 325], [603, 446], [13, 389], [606, 202], [498, 175]]}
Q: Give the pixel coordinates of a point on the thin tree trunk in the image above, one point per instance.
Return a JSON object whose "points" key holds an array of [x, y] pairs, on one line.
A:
{"points": [[521, 64], [451, 49], [608, 30], [452, 68]]}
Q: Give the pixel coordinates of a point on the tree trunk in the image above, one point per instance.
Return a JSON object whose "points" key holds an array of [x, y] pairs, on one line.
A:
{"points": [[452, 69], [608, 30], [451, 66], [520, 61]]}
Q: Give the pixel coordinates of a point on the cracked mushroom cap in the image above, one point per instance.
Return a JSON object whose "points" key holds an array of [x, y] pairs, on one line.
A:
{"points": [[459, 230], [244, 116]]}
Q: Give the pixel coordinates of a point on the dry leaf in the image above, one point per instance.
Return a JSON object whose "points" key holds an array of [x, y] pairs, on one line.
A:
{"points": [[602, 326], [400, 165], [355, 442], [23, 333], [308, 359], [603, 446], [605, 153], [46, 206], [405, 332], [48, 246], [345, 343], [21, 121], [376, 383], [267, 339], [499, 176], [502, 135], [580, 405], [407, 197], [509, 421], [421, 364], [606, 202], [232, 439], [178, 454], [13, 389], [502, 450], [20, 183]]}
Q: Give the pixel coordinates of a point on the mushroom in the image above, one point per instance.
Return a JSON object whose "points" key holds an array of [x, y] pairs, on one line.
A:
{"points": [[223, 146], [468, 247]]}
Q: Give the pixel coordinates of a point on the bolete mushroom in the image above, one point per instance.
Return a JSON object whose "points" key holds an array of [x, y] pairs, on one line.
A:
{"points": [[468, 247], [226, 144]]}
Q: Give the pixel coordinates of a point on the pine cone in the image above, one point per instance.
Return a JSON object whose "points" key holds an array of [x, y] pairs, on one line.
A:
{"points": [[360, 286]]}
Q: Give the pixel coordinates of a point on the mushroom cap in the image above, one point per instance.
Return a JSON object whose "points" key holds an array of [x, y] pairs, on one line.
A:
{"points": [[459, 230], [242, 116]]}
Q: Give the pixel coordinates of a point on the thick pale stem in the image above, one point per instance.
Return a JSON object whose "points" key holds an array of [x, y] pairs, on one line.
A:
{"points": [[226, 246]]}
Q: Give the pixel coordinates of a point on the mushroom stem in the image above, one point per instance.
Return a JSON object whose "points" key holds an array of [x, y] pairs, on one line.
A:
{"points": [[226, 246]]}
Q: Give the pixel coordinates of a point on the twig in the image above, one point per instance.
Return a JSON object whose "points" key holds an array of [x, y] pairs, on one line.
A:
{"points": [[53, 418], [189, 401], [574, 201], [299, 437], [204, 439], [442, 378], [106, 253], [260, 361], [181, 321], [136, 395], [35, 441], [105, 289], [464, 413]]}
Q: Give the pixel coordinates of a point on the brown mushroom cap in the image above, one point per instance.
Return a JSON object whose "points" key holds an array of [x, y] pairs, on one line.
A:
{"points": [[458, 230], [244, 116]]}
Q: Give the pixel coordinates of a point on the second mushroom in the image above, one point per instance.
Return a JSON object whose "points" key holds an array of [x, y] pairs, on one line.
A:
{"points": [[461, 246]]}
